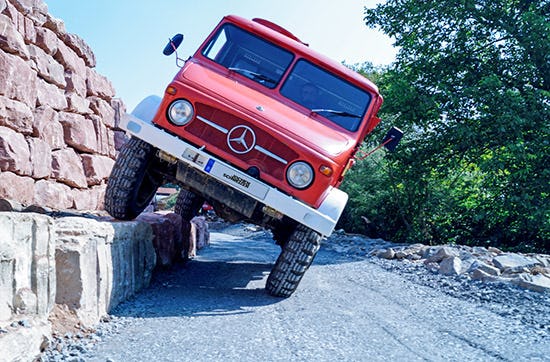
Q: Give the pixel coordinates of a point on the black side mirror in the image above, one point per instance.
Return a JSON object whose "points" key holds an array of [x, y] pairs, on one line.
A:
{"points": [[173, 44], [392, 138]]}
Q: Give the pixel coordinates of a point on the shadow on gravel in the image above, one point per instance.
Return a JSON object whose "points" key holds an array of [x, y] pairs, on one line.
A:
{"points": [[202, 288]]}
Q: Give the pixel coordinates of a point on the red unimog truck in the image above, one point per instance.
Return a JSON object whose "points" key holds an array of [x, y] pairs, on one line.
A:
{"points": [[258, 125]]}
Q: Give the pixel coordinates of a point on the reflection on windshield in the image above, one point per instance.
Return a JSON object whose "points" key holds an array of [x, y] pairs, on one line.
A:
{"points": [[248, 55], [324, 93]]}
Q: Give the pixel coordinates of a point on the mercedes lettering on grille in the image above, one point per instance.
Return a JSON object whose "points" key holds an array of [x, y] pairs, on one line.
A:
{"points": [[241, 139]]}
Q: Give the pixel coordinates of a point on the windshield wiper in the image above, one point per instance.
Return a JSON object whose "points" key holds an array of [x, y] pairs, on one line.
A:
{"points": [[253, 75], [335, 112]]}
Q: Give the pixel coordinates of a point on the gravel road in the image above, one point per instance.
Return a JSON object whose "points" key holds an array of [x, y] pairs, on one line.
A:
{"points": [[349, 307]]}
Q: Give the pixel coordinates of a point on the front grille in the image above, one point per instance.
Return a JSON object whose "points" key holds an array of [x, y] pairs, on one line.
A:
{"points": [[270, 155]]}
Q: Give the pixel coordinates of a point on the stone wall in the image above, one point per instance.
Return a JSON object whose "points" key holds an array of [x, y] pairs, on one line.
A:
{"points": [[58, 116]]}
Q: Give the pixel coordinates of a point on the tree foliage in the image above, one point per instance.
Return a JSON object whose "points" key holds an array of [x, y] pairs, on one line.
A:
{"points": [[471, 89]]}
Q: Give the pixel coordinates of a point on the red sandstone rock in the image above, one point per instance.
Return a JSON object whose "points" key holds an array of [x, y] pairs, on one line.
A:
{"points": [[96, 168], [102, 134], [15, 115], [55, 25], [69, 59], [82, 49], [103, 110], [16, 187], [15, 73], [48, 128], [67, 168], [11, 40], [52, 194], [47, 67], [79, 132], [14, 152], [41, 158], [50, 95], [47, 40], [98, 85], [77, 104], [167, 236], [76, 83]]}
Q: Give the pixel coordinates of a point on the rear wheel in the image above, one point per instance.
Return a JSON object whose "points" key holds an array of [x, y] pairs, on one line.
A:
{"points": [[188, 204], [133, 182], [295, 258]]}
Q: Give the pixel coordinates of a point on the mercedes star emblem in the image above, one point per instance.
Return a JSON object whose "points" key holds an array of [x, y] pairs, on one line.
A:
{"points": [[241, 139]]}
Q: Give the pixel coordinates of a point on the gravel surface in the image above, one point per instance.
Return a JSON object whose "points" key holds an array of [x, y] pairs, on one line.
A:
{"points": [[350, 306]]}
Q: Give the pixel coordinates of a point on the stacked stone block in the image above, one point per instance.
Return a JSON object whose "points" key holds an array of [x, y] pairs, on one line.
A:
{"points": [[58, 116]]}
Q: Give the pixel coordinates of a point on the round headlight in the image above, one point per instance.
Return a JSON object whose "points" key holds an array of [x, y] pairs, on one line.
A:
{"points": [[180, 112], [299, 175]]}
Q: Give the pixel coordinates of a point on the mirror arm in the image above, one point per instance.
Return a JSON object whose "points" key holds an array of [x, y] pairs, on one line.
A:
{"points": [[367, 154]]}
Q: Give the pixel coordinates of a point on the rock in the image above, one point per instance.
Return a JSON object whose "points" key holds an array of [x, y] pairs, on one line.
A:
{"points": [[14, 152], [67, 168], [76, 83], [538, 282], [450, 266], [46, 40], [479, 265], [386, 253], [167, 239], [442, 253], [17, 79], [96, 168], [114, 261], [497, 251], [479, 274], [52, 194], [41, 158], [11, 41], [82, 49], [103, 135], [15, 115], [77, 104], [98, 85], [79, 132], [14, 187], [47, 67], [49, 95], [48, 128], [514, 261], [104, 110], [27, 260]]}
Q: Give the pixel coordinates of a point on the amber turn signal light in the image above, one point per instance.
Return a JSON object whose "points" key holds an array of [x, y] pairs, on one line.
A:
{"points": [[171, 90], [325, 170]]}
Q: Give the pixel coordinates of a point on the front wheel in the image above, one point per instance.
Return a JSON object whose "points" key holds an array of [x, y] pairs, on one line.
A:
{"points": [[133, 182], [295, 258]]}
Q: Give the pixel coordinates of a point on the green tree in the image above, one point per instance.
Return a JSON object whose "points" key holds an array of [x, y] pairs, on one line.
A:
{"points": [[471, 88]]}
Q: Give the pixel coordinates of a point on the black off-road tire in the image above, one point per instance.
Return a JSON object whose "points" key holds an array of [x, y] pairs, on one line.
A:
{"points": [[133, 182], [188, 204], [295, 258]]}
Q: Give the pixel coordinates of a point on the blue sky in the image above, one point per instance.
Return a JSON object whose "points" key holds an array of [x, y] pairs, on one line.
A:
{"points": [[127, 37]]}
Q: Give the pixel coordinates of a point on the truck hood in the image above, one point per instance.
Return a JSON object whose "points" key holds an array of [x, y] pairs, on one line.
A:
{"points": [[315, 134]]}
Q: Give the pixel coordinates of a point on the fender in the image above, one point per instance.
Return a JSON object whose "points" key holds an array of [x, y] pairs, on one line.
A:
{"points": [[147, 108]]}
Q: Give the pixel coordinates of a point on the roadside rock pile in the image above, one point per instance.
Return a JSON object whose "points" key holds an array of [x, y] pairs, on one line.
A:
{"points": [[529, 271], [59, 119]]}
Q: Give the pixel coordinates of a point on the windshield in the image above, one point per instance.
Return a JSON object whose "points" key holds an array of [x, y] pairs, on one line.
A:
{"points": [[248, 55], [326, 94]]}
